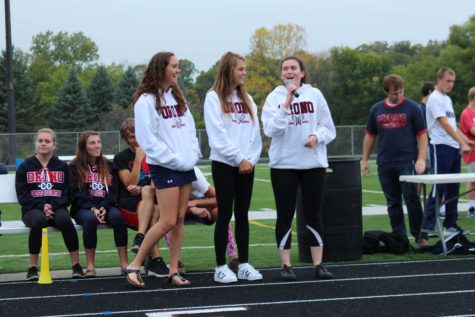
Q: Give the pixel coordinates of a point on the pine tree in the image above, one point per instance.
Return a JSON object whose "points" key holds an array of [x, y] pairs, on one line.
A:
{"points": [[100, 92], [72, 112], [126, 88], [27, 109]]}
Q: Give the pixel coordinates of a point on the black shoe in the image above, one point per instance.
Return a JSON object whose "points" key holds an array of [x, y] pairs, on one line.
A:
{"points": [[137, 242], [77, 271], [157, 267], [286, 274], [32, 274], [322, 273]]}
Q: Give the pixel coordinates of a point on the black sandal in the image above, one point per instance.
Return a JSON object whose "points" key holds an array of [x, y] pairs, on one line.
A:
{"points": [[140, 283], [172, 279]]}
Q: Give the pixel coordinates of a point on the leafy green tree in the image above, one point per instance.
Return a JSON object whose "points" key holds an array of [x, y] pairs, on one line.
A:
{"points": [[355, 83], [459, 55], [263, 75], [100, 92], [187, 71], [280, 41], [51, 56], [72, 111], [28, 112], [126, 88], [204, 81], [64, 48]]}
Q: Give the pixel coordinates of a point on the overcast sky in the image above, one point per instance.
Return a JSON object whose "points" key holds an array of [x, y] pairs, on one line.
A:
{"points": [[131, 31]]}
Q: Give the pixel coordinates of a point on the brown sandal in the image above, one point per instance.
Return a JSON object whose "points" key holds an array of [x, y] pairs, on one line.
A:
{"points": [[177, 280], [140, 283]]}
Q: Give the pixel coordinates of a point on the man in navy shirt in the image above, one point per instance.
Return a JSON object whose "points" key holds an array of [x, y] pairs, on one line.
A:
{"points": [[401, 132]]}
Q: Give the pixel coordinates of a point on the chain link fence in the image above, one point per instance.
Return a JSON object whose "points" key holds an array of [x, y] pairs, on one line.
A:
{"points": [[348, 143]]}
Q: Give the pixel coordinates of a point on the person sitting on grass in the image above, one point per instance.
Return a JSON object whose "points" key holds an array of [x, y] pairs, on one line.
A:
{"points": [[137, 202], [42, 189]]}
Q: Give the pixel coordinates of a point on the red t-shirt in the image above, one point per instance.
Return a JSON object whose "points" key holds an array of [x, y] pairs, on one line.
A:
{"points": [[467, 121]]}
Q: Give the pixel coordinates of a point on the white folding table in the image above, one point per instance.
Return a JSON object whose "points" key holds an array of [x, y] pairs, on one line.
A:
{"points": [[435, 179]]}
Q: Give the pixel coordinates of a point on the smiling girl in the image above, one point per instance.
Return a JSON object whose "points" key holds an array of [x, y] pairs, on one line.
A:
{"points": [[42, 182], [165, 130], [94, 187], [235, 141], [297, 118]]}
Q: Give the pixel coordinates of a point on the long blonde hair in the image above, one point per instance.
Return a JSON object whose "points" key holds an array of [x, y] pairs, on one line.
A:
{"points": [[223, 84]]}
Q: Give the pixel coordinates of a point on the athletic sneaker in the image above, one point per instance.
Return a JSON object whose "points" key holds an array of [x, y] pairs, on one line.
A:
{"points": [[222, 274], [286, 274], [322, 273], [157, 267], [137, 242], [77, 271], [247, 272], [32, 274], [454, 229], [471, 212]]}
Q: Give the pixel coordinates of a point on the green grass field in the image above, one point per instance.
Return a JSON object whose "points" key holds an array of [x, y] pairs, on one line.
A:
{"points": [[198, 250]]}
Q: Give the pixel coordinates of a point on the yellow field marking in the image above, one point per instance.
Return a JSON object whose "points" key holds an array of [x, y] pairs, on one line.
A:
{"points": [[257, 223]]}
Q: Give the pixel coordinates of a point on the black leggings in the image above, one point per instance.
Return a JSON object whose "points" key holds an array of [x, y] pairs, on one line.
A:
{"points": [[87, 219], [285, 183], [36, 220], [231, 187]]}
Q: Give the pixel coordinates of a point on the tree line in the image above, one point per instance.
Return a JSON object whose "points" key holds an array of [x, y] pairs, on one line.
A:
{"points": [[59, 83]]}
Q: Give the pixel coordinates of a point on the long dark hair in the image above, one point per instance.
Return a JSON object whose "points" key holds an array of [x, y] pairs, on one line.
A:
{"points": [[81, 160], [154, 74]]}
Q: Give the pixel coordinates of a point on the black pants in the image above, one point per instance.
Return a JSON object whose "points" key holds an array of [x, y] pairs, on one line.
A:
{"points": [[285, 183], [36, 220], [231, 188], [89, 222]]}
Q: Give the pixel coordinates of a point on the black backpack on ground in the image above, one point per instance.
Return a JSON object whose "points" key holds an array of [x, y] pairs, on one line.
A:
{"points": [[384, 242], [456, 243]]}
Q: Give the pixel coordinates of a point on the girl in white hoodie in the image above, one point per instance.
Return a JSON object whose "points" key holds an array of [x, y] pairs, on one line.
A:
{"points": [[165, 130], [235, 141], [297, 118]]}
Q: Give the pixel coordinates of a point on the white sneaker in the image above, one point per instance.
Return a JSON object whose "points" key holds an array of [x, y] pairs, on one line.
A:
{"points": [[247, 272], [223, 274]]}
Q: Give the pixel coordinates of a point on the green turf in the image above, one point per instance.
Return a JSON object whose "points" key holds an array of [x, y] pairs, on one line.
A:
{"points": [[198, 251]]}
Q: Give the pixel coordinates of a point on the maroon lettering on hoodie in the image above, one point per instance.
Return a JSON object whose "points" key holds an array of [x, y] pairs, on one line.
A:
{"points": [[169, 112], [39, 176]]}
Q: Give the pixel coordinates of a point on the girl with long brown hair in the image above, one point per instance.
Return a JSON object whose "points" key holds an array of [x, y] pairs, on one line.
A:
{"points": [[94, 187], [165, 130]]}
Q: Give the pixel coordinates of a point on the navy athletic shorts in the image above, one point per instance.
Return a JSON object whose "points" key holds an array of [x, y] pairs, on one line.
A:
{"points": [[164, 177]]}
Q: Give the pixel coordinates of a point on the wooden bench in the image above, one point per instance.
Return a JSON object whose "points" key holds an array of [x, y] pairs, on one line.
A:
{"points": [[8, 196]]}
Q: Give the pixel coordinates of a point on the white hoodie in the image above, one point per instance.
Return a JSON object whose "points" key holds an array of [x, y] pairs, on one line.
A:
{"points": [[232, 136], [168, 138], [289, 129]]}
